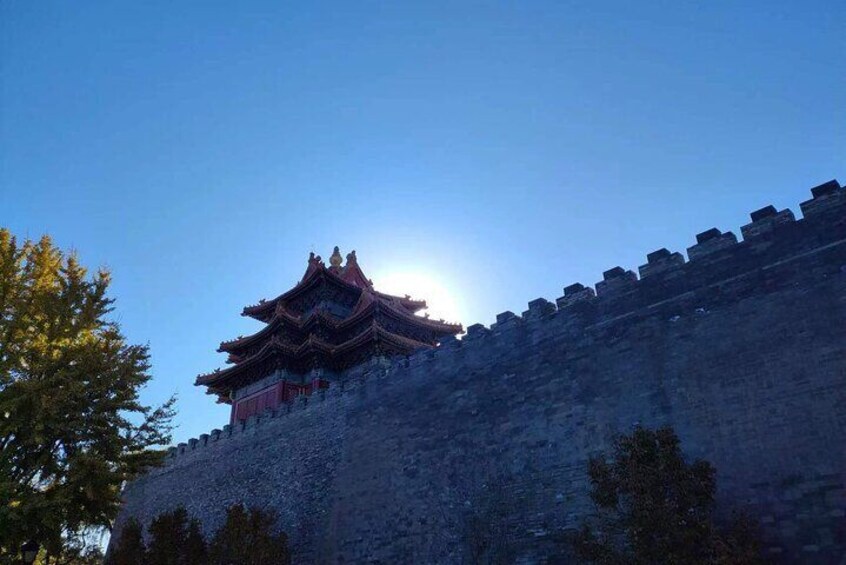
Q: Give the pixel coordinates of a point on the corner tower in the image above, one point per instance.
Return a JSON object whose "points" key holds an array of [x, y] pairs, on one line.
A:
{"points": [[332, 320]]}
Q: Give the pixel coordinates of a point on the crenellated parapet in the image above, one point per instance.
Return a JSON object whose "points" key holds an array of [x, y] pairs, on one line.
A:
{"points": [[739, 344], [719, 270]]}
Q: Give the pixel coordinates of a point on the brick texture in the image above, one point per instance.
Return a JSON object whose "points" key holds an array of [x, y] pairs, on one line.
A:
{"points": [[484, 441]]}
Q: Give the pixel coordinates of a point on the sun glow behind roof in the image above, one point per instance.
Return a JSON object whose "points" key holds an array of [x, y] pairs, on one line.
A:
{"points": [[420, 285]]}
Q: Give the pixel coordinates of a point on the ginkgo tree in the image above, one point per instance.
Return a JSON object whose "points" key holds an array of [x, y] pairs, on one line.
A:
{"points": [[72, 426]]}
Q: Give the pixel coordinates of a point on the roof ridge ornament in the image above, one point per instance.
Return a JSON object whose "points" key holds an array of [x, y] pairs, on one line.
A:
{"points": [[335, 260]]}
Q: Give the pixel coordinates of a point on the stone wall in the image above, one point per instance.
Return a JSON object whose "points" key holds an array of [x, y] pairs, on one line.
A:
{"points": [[444, 454]]}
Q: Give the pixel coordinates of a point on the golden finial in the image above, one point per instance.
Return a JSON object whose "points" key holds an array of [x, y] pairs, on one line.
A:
{"points": [[336, 259]]}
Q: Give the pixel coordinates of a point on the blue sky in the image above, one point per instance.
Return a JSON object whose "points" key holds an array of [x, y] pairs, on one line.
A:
{"points": [[200, 150]]}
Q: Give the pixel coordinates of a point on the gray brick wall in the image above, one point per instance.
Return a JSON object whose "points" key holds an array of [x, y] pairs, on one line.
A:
{"points": [[483, 443]]}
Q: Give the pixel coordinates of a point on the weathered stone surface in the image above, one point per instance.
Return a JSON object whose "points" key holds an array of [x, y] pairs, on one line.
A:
{"points": [[742, 350]]}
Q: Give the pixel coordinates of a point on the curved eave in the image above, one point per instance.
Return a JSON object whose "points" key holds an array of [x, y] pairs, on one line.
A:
{"points": [[377, 333], [312, 346], [280, 318], [405, 302], [367, 305], [405, 317], [265, 310], [215, 377], [232, 346]]}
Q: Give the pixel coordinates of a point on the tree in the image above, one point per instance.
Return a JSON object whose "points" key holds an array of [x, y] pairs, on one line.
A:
{"points": [[195, 552], [72, 428], [486, 513], [129, 549], [655, 508], [167, 533], [487, 532], [248, 538], [174, 540]]}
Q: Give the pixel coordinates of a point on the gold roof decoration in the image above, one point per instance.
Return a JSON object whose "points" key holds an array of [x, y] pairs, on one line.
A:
{"points": [[336, 259]]}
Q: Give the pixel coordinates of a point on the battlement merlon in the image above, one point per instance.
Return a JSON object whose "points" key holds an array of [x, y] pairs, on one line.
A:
{"points": [[661, 261], [828, 198]]}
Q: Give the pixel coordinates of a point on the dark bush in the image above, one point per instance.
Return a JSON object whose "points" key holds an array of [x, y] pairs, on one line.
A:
{"points": [[248, 537], [655, 508], [129, 549]]}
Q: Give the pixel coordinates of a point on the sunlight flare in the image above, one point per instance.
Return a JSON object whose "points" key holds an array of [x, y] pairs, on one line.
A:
{"points": [[441, 301]]}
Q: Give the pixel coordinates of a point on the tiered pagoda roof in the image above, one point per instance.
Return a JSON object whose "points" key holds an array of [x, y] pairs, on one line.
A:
{"points": [[332, 319]]}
